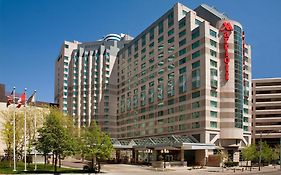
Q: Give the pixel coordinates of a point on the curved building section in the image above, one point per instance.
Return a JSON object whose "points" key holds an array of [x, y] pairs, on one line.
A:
{"points": [[112, 37]]}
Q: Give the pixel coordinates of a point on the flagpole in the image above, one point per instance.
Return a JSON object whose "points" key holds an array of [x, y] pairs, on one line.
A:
{"points": [[14, 128], [25, 132], [35, 161]]}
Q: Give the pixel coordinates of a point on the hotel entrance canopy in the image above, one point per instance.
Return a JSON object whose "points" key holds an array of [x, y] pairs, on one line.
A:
{"points": [[172, 142]]}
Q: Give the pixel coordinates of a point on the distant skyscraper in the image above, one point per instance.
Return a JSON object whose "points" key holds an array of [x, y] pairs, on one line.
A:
{"points": [[86, 83]]}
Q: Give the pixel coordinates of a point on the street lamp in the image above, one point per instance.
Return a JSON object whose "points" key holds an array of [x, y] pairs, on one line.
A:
{"points": [[164, 151]]}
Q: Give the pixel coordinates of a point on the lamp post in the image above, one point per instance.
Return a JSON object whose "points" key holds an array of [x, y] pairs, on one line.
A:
{"points": [[164, 151]]}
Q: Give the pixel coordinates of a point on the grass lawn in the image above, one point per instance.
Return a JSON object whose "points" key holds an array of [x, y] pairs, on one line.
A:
{"points": [[41, 168]]}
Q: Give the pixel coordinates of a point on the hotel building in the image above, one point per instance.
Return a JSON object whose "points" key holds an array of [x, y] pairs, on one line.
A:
{"points": [[188, 73], [86, 83], [185, 77], [267, 110]]}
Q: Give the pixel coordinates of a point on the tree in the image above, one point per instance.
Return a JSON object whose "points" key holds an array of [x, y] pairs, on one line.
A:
{"points": [[7, 133], [266, 152], [275, 154], [55, 136], [7, 130], [249, 153], [97, 145]]}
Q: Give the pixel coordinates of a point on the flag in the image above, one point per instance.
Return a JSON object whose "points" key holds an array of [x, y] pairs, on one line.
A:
{"points": [[10, 98], [31, 99], [21, 101]]}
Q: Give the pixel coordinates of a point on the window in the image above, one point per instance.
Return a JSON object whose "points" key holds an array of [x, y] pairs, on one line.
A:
{"points": [[66, 46], [197, 22], [182, 33], [213, 33], [214, 104], [213, 53], [160, 39], [182, 23], [195, 115], [182, 70], [195, 44], [245, 128], [182, 98], [196, 54], [151, 45], [182, 83], [151, 34], [170, 41], [170, 32], [214, 114], [183, 51], [160, 27], [214, 72], [214, 93], [182, 61], [171, 19], [143, 40], [195, 125], [196, 94], [213, 63], [195, 64], [195, 105], [182, 42], [213, 43], [213, 124], [195, 33], [246, 111]]}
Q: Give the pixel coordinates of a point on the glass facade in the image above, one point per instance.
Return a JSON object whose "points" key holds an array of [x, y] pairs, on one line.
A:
{"points": [[238, 66]]}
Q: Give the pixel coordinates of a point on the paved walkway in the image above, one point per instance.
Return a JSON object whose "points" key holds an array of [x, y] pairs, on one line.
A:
{"points": [[125, 169]]}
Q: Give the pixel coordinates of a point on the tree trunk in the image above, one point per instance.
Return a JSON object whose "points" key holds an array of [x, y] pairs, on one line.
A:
{"points": [[53, 158], [98, 161], [56, 162], [45, 160], [92, 164], [59, 161], [247, 164]]}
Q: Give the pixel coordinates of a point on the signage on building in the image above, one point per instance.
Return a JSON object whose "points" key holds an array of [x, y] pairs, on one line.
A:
{"points": [[226, 29]]}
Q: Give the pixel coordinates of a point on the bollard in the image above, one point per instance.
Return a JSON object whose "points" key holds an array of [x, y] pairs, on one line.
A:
{"points": [[234, 170], [242, 169]]}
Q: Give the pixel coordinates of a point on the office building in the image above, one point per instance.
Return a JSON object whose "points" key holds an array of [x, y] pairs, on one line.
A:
{"points": [[267, 110]]}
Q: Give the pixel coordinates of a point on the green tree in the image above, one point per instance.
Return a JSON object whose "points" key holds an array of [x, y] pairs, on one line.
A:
{"points": [[7, 133], [266, 152], [56, 136], [249, 153], [97, 145], [275, 154]]}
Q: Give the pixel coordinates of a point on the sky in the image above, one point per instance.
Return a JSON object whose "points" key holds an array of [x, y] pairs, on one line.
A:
{"points": [[32, 31]]}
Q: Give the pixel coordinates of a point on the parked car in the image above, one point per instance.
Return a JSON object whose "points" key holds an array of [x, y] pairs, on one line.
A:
{"points": [[88, 167]]}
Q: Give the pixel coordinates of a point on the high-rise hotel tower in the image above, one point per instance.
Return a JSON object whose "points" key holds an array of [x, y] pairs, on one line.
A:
{"points": [[188, 73], [86, 83]]}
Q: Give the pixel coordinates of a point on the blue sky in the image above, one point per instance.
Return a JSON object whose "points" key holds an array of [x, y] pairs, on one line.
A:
{"points": [[32, 31]]}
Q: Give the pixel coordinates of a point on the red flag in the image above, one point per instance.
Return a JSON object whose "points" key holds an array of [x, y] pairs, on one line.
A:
{"points": [[21, 101], [10, 98]]}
